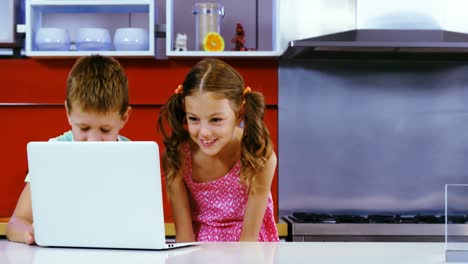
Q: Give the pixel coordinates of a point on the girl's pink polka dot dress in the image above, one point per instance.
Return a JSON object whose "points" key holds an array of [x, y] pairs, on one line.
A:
{"points": [[218, 207]]}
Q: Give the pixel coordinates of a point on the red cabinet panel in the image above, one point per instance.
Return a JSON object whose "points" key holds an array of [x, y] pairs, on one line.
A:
{"points": [[150, 81], [21, 125]]}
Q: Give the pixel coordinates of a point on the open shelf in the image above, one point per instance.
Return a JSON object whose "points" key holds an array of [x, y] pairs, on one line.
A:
{"points": [[72, 15], [258, 17]]}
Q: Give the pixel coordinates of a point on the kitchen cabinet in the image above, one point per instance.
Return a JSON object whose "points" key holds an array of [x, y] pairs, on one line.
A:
{"points": [[75, 14], [259, 19], [7, 20]]}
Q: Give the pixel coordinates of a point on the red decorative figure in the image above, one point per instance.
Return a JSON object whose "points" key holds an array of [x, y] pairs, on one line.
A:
{"points": [[239, 39]]}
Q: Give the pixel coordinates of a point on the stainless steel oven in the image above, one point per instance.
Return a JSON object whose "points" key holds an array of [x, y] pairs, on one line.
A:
{"points": [[367, 144], [371, 228]]}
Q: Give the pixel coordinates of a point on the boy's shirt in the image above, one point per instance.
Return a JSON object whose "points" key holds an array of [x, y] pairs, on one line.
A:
{"points": [[68, 137]]}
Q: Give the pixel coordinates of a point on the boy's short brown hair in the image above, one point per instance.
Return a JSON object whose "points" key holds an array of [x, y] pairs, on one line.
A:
{"points": [[97, 83]]}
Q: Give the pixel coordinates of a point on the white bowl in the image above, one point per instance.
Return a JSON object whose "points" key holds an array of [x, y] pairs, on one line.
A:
{"points": [[93, 39], [51, 38], [131, 39]]}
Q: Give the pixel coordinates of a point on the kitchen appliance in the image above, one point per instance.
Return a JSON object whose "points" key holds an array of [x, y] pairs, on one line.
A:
{"points": [[366, 134], [305, 226], [380, 41], [373, 119]]}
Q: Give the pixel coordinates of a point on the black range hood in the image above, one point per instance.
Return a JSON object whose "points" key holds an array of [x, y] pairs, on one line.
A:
{"points": [[384, 42]]}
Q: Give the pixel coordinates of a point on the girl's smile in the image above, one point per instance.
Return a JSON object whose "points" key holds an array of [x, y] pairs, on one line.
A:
{"points": [[207, 143]]}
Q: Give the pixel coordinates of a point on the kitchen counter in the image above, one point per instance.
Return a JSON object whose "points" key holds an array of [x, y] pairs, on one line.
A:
{"points": [[170, 229], [226, 253], [3, 224]]}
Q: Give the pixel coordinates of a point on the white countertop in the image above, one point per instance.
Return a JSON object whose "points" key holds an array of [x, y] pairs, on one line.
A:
{"points": [[226, 253], [170, 229]]}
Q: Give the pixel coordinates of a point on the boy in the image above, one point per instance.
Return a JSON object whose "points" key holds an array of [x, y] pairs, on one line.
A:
{"points": [[97, 108]]}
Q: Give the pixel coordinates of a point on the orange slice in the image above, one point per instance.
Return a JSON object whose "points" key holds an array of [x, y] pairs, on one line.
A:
{"points": [[213, 42]]}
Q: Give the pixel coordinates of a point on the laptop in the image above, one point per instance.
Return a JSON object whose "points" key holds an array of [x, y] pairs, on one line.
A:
{"points": [[97, 195]]}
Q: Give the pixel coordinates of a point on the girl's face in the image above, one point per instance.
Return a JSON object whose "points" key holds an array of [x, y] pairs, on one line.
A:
{"points": [[211, 121], [95, 126]]}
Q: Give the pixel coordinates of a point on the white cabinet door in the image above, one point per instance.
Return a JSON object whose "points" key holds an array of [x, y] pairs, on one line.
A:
{"points": [[7, 21]]}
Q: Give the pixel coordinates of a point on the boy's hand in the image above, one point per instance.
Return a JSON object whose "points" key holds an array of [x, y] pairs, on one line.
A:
{"points": [[29, 238]]}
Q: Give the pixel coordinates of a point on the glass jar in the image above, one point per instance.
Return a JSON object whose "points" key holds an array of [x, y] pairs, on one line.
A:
{"points": [[208, 17]]}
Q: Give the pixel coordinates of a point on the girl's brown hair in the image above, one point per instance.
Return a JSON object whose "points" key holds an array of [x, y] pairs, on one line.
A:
{"points": [[213, 75]]}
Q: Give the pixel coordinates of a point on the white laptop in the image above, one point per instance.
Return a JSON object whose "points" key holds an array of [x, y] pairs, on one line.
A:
{"points": [[97, 195]]}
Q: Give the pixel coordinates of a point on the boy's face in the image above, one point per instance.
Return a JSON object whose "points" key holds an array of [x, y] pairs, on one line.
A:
{"points": [[96, 126]]}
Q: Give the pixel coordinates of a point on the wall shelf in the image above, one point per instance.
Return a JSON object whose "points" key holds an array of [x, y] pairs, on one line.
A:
{"points": [[260, 19], [72, 15]]}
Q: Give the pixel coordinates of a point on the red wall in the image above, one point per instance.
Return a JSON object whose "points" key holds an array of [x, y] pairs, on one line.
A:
{"points": [[31, 107]]}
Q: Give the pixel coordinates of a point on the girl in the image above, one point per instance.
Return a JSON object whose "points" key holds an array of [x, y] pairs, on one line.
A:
{"points": [[219, 160]]}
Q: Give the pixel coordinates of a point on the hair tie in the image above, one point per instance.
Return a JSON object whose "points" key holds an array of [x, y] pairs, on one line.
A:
{"points": [[179, 90], [246, 91]]}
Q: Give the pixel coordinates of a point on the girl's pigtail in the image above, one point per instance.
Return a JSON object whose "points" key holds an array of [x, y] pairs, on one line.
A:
{"points": [[256, 142], [171, 125]]}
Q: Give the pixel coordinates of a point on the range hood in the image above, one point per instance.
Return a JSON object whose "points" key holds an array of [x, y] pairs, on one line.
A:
{"points": [[380, 41]]}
